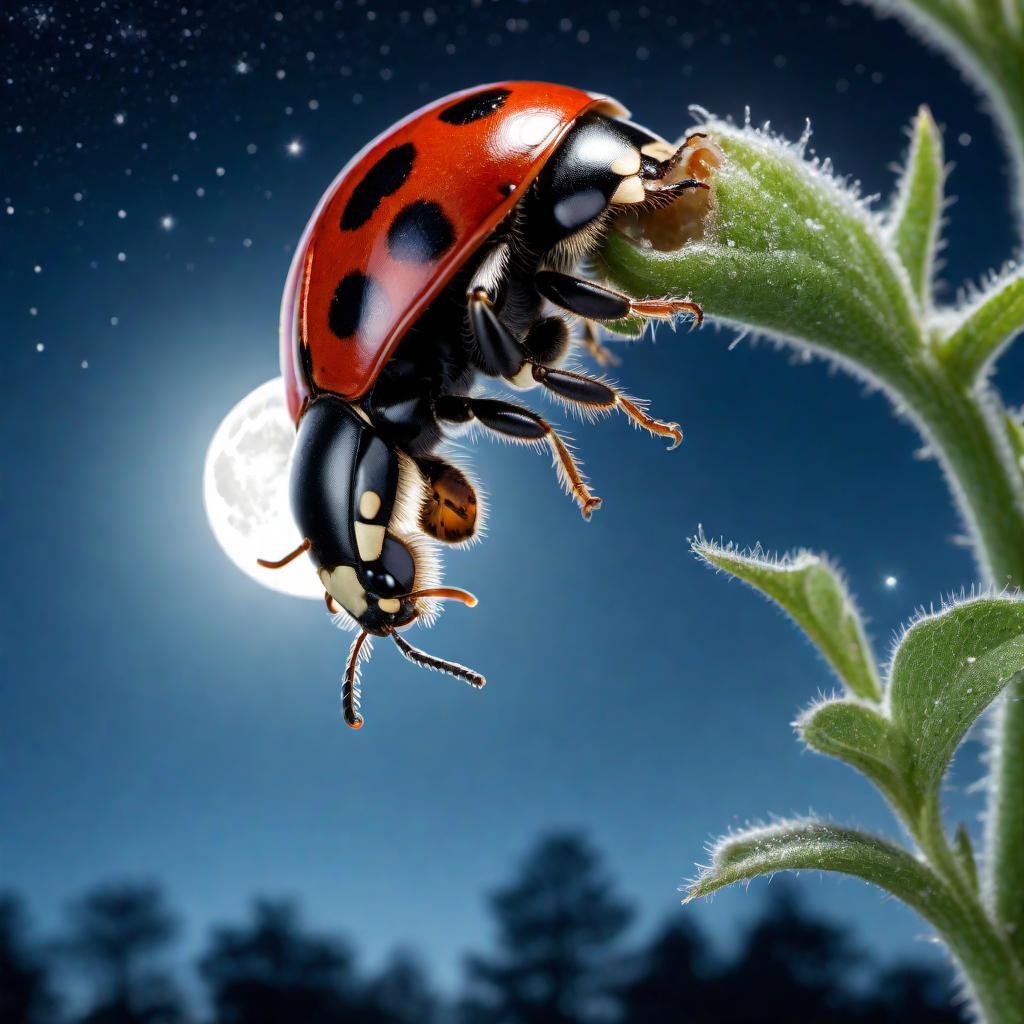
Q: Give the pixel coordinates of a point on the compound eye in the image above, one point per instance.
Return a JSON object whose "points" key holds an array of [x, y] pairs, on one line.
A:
{"points": [[393, 572]]}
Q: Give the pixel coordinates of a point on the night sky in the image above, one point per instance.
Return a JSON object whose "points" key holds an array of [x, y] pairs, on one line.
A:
{"points": [[164, 716]]}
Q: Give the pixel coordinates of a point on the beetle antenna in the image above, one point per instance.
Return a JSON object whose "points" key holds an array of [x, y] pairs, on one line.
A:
{"points": [[282, 562], [445, 594], [350, 692], [437, 664]]}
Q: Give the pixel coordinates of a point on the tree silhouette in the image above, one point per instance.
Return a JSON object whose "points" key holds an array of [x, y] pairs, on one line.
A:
{"points": [[911, 993], [115, 931], [558, 924], [25, 996], [793, 959], [400, 994], [270, 972], [673, 978]]}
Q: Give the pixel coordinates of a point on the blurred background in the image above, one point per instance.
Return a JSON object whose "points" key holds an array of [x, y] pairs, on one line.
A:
{"points": [[171, 746]]}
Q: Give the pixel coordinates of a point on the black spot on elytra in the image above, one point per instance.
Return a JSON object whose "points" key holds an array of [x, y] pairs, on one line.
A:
{"points": [[356, 300], [385, 177], [472, 108], [420, 232]]}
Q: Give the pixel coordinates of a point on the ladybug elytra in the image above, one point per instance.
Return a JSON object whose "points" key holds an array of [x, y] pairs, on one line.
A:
{"points": [[429, 266]]}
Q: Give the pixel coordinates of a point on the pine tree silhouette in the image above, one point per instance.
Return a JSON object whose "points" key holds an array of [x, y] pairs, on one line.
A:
{"points": [[25, 993], [115, 931], [673, 979], [791, 959], [400, 994], [558, 927], [270, 972]]}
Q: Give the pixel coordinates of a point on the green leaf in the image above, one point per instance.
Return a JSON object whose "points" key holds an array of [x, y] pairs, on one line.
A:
{"points": [[814, 595], [918, 209], [985, 329], [867, 740], [945, 672], [821, 846]]}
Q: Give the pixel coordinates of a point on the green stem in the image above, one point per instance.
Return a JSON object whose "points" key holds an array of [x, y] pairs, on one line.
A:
{"points": [[967, 434], [981, 947]]}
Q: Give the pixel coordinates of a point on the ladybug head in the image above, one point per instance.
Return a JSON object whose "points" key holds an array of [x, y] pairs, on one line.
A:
{"points": [[355, 501]]}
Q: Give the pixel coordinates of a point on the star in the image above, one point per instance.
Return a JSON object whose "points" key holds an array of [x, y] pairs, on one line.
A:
{"points": [[294, 147], [167, 222]]}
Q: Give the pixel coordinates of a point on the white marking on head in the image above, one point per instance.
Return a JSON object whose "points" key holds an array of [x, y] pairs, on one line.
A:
{"points": [[626, 163], [344, 586], [389, 605], [523, 379], [631, 190], [369, 504], [369, 541], [660, 150]]}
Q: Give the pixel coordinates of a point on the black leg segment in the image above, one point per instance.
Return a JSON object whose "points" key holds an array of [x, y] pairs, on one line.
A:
{"points": [[595, 302], [575, 387], [501, 355], [584, 298], [510, 420]]}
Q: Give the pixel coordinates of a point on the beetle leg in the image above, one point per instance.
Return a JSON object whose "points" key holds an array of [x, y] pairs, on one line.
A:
{"points": [[596, 302], [449, 509], [501, 355], [596, 395], [526, 427]]}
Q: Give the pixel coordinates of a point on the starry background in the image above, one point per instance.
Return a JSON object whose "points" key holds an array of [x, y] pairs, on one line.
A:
{"points": [[164, 716]]}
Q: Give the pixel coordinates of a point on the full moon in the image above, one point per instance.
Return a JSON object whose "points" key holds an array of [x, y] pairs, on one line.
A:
{"points": [[245, 491]]}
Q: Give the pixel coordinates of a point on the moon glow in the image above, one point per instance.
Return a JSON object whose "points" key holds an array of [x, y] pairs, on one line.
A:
{"points": [[245, 491]]}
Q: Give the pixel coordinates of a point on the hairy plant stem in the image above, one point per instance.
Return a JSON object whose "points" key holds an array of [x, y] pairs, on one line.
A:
{"points": [[981, 946], [968, 436]]}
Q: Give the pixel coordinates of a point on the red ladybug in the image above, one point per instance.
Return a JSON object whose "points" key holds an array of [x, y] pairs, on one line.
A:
{"points": [[426, 267]]}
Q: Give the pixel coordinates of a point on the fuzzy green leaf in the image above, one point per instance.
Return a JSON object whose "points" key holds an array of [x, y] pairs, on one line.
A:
{"points": [[820, 846], [867, 740], [945, 672], [918, 208], [814, 595], [985, 329]]}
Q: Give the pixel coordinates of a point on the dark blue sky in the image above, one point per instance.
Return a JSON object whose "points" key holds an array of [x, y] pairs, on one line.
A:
{"points": [[164, 716]]}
